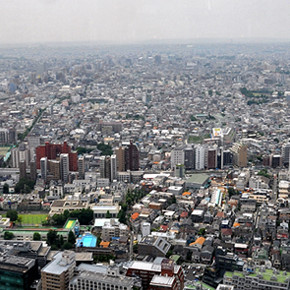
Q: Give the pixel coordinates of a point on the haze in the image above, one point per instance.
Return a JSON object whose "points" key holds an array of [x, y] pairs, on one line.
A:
{"points": [[128, 21]]}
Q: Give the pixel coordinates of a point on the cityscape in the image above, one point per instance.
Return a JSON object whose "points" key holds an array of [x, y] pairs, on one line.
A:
{"points": [[155, 166]]}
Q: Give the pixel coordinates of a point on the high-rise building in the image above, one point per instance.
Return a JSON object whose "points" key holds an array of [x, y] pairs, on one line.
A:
{"points": [[22, 169], [120, 155], [199, 157], [57, 274], [286, 153], [177, 156], [240, 157], [189, 158], [43, 168], [54, 170], [212, 157], [81, 167], [127, 158], [64, 166], [52, 151], [33, 171], [108, 167], [131, 157]]}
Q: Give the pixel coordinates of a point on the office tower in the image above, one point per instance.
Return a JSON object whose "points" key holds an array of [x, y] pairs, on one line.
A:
{"points": [[212, 157], [199, 157], [113, 174], [189, 158], [43, 168], [240, 154], [64, 167], [54, 170], [220, 158], [177, 156], [4, 136], [81, 167], [120, 155], [227, 158], [33, 172], [286, 153], [131, 157], [58, 273], [22, 169], [108, 167]]}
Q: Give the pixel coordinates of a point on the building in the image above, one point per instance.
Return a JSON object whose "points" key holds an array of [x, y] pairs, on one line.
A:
{"points": [[286, 153], [177, 156], [17, 272], [22, 169], [262, 278], [160, 266], [81, 167], [57, 274], [212, 157], [153, 246], [240, 157], [64, 167], [97, 277], [199, 157], [131, 157], [189, 158], [53, 151], [113, 229], [108, 167], [43, 168], [127, 157]]}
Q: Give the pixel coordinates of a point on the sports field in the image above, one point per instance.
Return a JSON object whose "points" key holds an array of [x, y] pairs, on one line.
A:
{"points": [[32, 219]]}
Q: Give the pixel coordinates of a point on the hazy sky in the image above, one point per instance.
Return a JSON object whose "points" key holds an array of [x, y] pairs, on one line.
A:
{"points": [[139, 20]]}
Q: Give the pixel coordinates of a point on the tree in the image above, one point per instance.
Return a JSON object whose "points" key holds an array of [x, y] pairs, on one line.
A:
{"points": [[108, 215], [232, 191], [5, 188], [201, 232], [19, 219], [36, 237], [67, 246], [8, 236], [12, 214], [52, 238], [71, 238]]}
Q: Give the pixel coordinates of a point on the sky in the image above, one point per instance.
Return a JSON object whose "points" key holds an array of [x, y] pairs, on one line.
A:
{"points": [[129, 21]]}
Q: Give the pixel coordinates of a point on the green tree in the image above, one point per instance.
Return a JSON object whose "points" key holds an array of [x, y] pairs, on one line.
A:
{"points": [[108, 215], [12, 214], [5, 188], [71, 238], [67, 246], [8, 236], [36, 237], [201, 232], [52, 238]]}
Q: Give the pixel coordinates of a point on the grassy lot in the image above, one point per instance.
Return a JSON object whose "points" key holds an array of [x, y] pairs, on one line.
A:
{"points": [[33, 219]]}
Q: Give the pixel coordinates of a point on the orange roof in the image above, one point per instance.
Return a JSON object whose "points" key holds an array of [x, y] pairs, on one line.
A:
{"points": [[186, 193], [104, 244], [199, 240], [236, 225], [134, 215]]}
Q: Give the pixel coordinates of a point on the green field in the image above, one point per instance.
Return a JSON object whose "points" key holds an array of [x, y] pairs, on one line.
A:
{"points": [[32, 219]]}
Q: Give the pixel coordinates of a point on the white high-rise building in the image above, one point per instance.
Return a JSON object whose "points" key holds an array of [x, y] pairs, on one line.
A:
{"points": [[199, 157], [113, 168], [177, 156], [64, 167], [43, 167]]}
